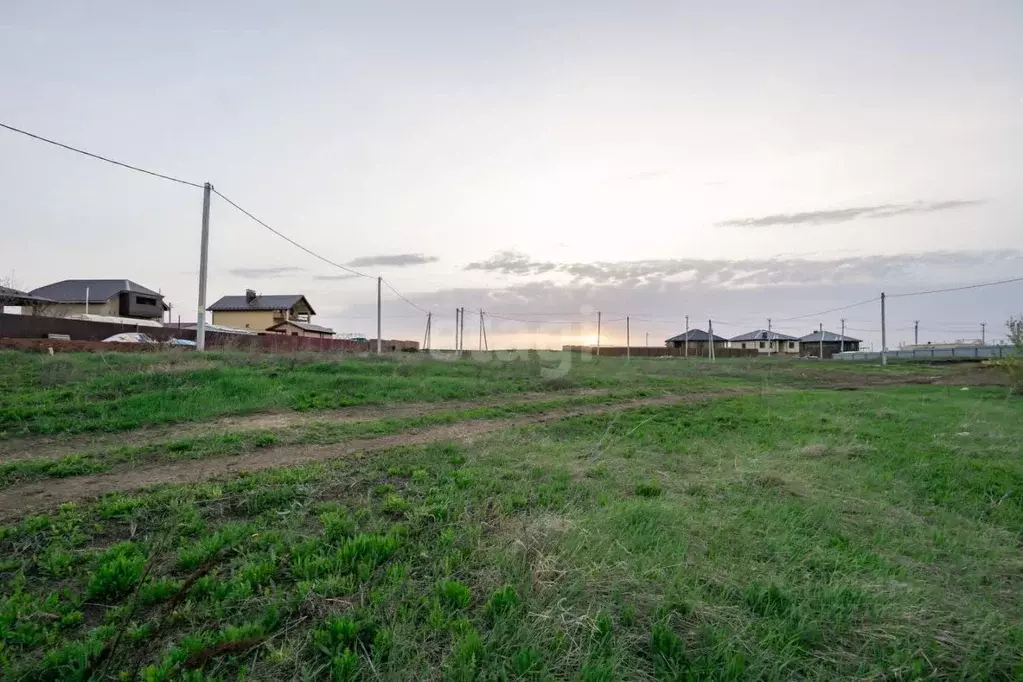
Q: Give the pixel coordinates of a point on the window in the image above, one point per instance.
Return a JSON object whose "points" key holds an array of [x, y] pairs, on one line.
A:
{"points": [[294, 333], [761, 344], [744, 345], [792, 344], [145, 300]]}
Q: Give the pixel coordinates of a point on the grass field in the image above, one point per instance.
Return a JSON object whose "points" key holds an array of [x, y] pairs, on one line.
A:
{"points": [[467, 520]]}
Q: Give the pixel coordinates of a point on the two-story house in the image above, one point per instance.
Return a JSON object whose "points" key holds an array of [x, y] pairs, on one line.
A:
{"points": [[260, 312], [109, 297]]}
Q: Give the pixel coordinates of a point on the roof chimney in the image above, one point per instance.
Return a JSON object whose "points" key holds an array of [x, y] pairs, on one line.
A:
{"points": [[250, 295]]}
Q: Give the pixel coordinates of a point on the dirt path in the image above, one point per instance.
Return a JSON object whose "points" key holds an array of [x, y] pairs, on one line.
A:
{"points": [[17, 500], [55, 447]]}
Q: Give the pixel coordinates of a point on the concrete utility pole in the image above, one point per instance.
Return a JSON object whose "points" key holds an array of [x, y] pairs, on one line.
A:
{"points": [[983, 333], [628, 340], [483, 328], [598, 333], [458, 312], [842, 342], [820, 351], [380, 281], [86, 300], [710, 340], [204, 252], [687, 336], [648, 339], [884, 337], [770, 343], [426, 334], [461, 332], [480, 342], [916, 332]]}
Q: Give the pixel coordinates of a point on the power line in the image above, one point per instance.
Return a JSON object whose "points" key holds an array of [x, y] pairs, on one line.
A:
{"points": [[825, 312], [101, 158], [969, 286], [292, 241], [398, 294]]}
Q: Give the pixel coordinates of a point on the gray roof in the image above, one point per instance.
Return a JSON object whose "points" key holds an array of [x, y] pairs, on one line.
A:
{"points": [[763, 335], [271, 302], [695, 335], [73, 290], [829, 337], [10, 296], [304, 325]]}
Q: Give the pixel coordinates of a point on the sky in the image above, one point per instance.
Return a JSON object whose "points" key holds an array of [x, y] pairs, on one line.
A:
{"points": [[541, 160]]}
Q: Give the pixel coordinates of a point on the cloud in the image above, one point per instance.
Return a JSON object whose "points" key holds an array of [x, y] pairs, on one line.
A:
{"points": [[399, 260], [559, 305], [265, 273], [334, 278], [754, 273], [842, 215]]}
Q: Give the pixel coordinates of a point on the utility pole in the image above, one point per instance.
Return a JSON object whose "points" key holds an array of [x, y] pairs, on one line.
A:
{"points": [[461, 332], [458, 313], [426, 334], [820, 351], [710, 340], [380, 281], [842, 342], [687, 336], [648, 339], [983, 333], [884, 337], [480, 342], [483, 327], [916, 332], [204, 252], [598, 333], [86, 300], [628, 340], [770, 343]]}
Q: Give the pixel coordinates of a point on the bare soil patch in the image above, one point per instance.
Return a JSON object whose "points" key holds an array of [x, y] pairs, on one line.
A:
{"points": [[17, 500], [55, 447]]}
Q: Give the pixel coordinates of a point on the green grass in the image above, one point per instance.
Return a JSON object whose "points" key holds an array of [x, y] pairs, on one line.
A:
{"points": [[321, 432], [793, 535], [76, 393]]}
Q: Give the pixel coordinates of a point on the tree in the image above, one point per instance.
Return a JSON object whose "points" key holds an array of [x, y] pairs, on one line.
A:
{"points": [[1013, 366]]}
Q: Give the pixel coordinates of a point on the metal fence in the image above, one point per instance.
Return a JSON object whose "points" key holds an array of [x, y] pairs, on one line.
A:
{"points": [[958, 352]]}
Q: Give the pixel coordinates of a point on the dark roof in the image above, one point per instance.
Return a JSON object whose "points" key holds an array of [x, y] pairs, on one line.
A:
{"points": [[271, 302], [763, 335], [73, 290], [695, 335], [12, 297], [304, 325], [829, 337]]}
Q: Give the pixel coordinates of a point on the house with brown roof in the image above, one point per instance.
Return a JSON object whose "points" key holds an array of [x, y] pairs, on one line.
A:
{"points": [[296, 328], [260, 312]]}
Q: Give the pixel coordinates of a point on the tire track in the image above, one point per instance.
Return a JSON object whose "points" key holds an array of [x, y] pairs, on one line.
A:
{"points": [[20, 499]]}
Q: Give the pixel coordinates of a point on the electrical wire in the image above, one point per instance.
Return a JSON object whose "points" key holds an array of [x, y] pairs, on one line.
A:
{"points": [[825, 312], [292, 241], [964, 288], [101, 158], [398, 294]]}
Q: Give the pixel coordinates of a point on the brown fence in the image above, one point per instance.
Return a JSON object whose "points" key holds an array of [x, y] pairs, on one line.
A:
{"points": [[37, 327], [663, 351]]}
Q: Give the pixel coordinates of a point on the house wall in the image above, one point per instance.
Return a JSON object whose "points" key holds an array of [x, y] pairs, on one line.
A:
{"points": [[111, 307], [291, 330], [769, 346], [256, 320], [831, 348]]}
